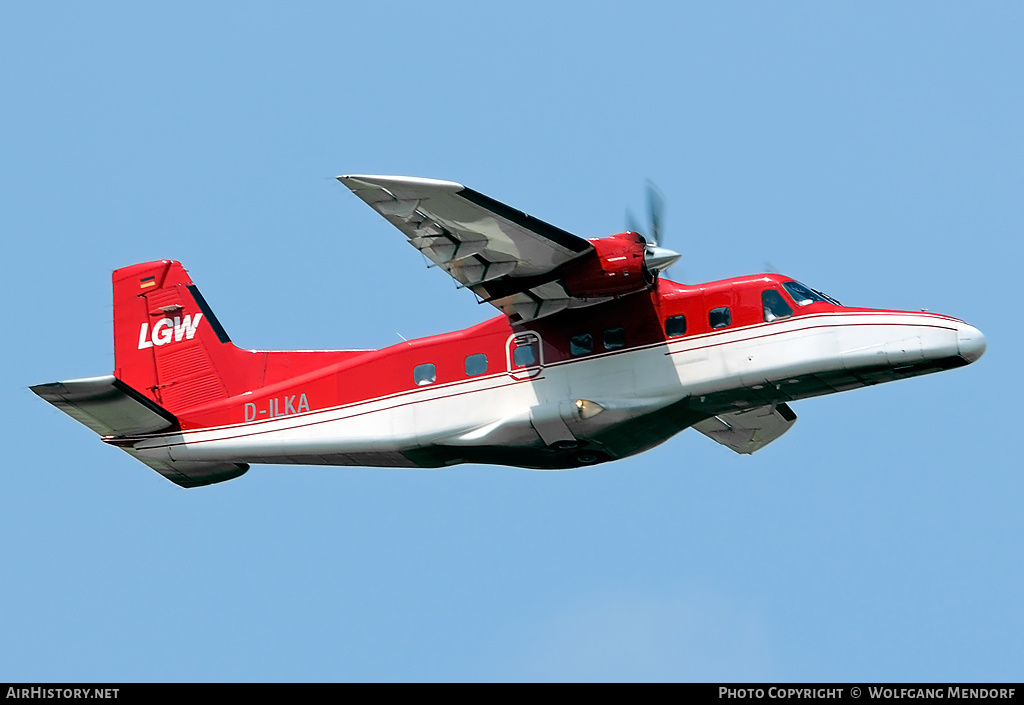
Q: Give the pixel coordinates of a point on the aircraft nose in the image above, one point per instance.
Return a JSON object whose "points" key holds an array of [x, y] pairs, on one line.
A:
{"points": [[970, 342]]}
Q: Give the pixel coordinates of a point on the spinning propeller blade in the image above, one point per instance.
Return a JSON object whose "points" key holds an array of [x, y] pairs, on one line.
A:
{"points": [[657, 258]]}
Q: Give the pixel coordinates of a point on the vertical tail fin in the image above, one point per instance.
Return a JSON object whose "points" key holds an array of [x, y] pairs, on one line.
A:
{"points": [[168, 345]]}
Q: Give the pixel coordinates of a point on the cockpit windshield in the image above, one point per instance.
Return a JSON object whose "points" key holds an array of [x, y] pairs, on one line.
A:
{"points": [[804, 295]]}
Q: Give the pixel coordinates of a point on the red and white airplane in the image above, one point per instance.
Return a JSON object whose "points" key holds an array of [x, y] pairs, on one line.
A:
{"points": [[594, 358]]}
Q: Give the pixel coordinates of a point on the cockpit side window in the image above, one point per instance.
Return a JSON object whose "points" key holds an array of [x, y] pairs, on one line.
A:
{"points": [[804, 295], [775, 307]]}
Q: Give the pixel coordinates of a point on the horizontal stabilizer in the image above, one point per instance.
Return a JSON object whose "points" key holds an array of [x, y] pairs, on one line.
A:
{"points": [[195, 473], [749, 430], [106, 405], [112, 409]]}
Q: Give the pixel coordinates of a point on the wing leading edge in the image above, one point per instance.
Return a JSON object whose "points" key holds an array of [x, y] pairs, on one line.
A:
{"points": [[506, 257]]}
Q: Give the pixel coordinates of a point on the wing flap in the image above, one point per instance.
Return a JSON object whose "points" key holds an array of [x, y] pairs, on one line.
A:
{"points": [[750, 430]]}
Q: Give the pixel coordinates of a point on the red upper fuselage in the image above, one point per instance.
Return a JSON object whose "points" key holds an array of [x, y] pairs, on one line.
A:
{"points": [[334, 378]]}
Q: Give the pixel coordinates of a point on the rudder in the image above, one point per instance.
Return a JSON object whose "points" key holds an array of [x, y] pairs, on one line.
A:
{"points": [[168, 345]]}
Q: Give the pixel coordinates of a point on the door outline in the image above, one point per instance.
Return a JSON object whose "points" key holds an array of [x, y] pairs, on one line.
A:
{"points": [[518, 340]]}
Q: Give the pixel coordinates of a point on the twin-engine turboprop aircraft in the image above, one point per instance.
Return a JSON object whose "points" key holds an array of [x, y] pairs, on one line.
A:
{"points": [[594, 358]]}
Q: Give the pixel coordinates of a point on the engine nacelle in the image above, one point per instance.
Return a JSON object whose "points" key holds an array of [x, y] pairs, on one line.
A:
{"points": [[618, 268]]}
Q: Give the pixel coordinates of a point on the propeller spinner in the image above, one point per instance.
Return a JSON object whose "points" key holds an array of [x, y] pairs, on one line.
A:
{"points": [[657, 258]]}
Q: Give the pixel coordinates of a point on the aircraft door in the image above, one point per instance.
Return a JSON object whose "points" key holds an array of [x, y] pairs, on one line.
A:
{"points": [[524, 355], [524, 358]]}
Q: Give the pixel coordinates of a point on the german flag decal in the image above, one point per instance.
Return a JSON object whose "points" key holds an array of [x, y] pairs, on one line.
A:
{"points": [[147, 282]]}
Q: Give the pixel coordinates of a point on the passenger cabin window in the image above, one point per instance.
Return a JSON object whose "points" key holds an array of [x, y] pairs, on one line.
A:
{"points": [[525, 355], [476, 364], [675, 326], [719, 317], [424, 374], [774, 305], [614, 338], [581, 344]]}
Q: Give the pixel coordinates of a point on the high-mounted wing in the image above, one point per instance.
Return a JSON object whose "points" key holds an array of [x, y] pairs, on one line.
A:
{"points": [[506, 257]]}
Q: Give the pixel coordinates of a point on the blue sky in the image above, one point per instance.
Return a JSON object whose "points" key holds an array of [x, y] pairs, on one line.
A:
{"points": [[873, 150]]}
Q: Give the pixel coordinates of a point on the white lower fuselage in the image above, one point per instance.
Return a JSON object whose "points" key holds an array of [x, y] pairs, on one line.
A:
{"points": [[537, 410]]}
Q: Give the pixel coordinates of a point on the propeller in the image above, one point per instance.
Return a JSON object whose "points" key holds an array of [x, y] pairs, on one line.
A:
{"points": [[655, 211], [657, 258]]}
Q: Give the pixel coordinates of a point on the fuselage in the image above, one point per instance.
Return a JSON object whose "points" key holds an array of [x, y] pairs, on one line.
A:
{"points": [[583, 386]]}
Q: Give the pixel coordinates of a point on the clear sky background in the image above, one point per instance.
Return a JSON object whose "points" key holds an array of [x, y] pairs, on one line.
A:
{"points": [[873, 150]]}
